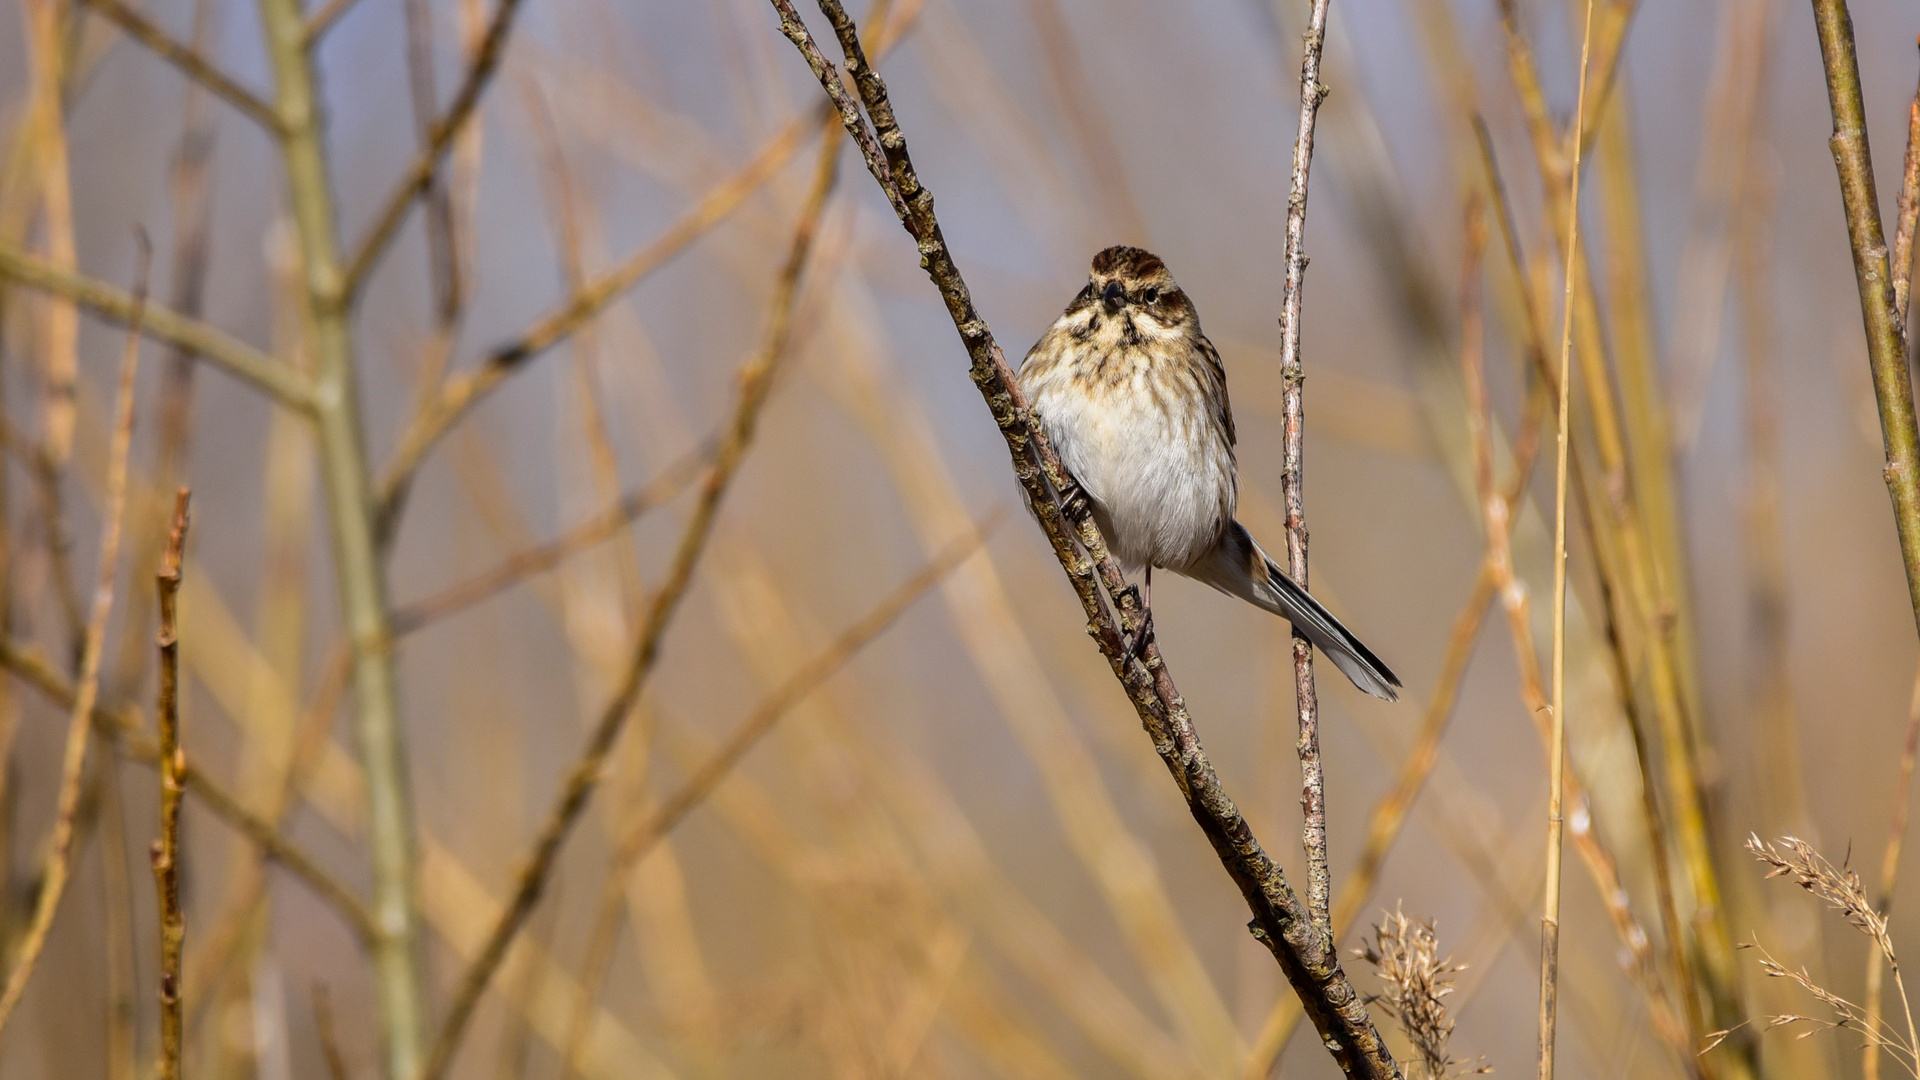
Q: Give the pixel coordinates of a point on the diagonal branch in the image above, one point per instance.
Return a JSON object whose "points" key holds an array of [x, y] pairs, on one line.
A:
{"points": [[1281, 921], [542, 557], [188, 60], [222, 350], [418, 179]]}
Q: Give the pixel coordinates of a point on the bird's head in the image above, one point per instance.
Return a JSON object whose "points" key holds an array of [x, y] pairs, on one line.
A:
{"points": [[1128, 280]]}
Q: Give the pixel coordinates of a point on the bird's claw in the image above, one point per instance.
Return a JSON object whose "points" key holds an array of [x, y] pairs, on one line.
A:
{"points": [[1073, 499]]}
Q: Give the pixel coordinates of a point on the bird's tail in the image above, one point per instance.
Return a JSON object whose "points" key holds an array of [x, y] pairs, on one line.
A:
{"points": [[1239, 568]]}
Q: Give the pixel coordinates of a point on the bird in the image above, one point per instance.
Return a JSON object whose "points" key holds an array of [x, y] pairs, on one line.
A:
{"points": [[1133, 398]]}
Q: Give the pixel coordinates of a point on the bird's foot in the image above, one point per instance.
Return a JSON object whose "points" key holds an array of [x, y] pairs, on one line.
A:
{"points": [[1134, 646], [1073, 499]]}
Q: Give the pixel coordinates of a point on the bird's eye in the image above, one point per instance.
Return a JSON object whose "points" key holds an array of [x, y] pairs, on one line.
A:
{"points": [[1151, 295]]}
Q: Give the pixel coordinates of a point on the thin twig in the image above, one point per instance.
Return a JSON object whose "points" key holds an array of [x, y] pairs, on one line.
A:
{"points": [[543, 557], [642, 835], [1281, 921], [418, 179], [123, 728], [1557, 755], [231, 355], [1886, 335], [80, 722], [188, 59], [755, 382], [172, 763], [1906, 215], [1313, 781]]}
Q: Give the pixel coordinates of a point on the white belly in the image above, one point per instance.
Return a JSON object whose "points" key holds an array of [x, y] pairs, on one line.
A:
{"points": [[1159, 472]]}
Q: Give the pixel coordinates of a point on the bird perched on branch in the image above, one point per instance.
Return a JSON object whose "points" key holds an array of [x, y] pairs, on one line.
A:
{"points": [[1132, 396]]}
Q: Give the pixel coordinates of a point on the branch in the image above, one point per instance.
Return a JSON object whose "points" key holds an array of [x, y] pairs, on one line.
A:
{"points": [[228, 353], [79, 724], [755, 381], [1313, 781], [1281, 922], [419, 176], [188, 60], [172, 763], [359, 581], [1886, 337]]}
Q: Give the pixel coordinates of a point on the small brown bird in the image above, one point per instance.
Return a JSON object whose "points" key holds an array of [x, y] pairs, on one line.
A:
{"points": [[1132, 395]]}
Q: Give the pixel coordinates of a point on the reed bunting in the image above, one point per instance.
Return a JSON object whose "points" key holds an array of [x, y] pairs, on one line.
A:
{"points": [[1134, 399]]}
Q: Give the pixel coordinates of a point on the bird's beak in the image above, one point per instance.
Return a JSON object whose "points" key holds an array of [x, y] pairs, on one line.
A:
{"points": [[1113, 296]]}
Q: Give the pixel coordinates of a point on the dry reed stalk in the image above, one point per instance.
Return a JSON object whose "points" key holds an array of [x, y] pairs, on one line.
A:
{"points": [[26, 953], [1628, 560], [1885, 329], [172, 763], [1889, 875], [1599, 861], [1106, 164], [46, 121], [755, 382], [188, 59], [222, 350], [1313, 780], [1556, 764], [642, 834], [1282, 922]]}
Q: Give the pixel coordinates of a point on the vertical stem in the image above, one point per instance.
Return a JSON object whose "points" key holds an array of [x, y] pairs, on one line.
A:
{"points": [[1886, 338], [348, 493], [1313, 800], [1557, 753], [173, 761]]}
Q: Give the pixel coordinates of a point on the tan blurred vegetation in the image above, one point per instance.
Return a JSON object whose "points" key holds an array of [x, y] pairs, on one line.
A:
{"points": [[663, 486]]}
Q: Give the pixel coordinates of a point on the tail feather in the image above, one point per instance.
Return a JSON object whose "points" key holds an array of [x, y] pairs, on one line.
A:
{"points": [[1239, 568]]}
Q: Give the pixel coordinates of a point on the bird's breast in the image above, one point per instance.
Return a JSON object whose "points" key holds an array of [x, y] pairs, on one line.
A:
{"points": [[1140, 434]]}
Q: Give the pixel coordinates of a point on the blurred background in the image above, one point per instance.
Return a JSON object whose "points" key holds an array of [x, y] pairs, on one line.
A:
{"points": [[959, 856]]}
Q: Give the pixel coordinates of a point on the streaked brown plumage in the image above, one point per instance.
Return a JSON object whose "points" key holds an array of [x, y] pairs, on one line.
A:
{"points": [[1134, 399]]}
